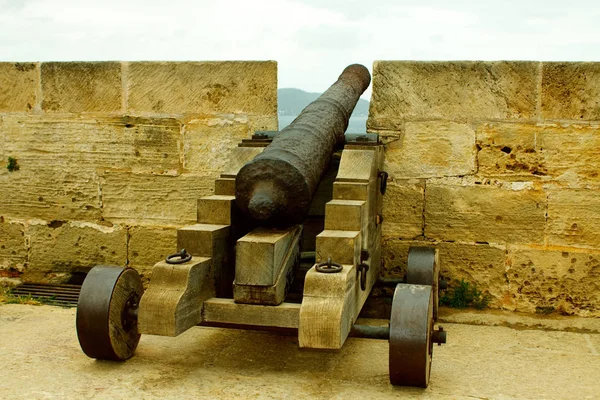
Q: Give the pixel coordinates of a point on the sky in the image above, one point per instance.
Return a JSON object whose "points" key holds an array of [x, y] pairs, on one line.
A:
{"points": [[312, 40]]}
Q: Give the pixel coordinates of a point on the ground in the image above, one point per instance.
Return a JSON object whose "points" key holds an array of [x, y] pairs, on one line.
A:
{"points": [[531, 358]]}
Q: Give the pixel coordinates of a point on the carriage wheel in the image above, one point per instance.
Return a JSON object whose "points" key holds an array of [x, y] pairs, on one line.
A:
{"points": [[423, 269], [411, 329], [107, 313]]}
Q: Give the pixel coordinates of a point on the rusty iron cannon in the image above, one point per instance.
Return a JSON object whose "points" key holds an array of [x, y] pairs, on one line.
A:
{"points": [[277, 186], [290, 240]]}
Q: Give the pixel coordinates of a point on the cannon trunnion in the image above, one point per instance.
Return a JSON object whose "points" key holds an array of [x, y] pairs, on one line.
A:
{"points": [[290, 240]]}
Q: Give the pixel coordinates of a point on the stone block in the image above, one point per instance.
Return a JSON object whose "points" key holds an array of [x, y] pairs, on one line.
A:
{"points": [[456, 90], [75, 87], [485, 213], [574, 217], [394, 254], [571, 153], [149, 245], [432, 149], [509, 149], [480, 265], [60, 160], [403, 209], [93, 144], [13, 246], [18, 86], [153, 199], [571, 90], [209, 143], [566, 152], [203, 87], [566, 281], [63, 247], [50, 194]]}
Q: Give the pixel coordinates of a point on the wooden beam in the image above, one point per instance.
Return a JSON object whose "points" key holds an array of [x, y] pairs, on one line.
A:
{"points": [[260, 255], [226, 311], [215, 209], [273, 294], [173, 302]]}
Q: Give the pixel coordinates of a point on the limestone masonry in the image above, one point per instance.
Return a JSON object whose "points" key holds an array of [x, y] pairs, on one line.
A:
{"points": [[498, 163]]}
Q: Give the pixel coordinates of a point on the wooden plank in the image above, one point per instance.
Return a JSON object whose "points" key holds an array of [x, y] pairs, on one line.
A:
{"points": [[324, 191], [260, 255], [342, 246], [272, 294], [226, 311], [215, 209], [212, 241], [173, 302], [332, 302], [225, 186], [206, 240], [345, 215], [351, 191], [327, 310], [356, 165]]}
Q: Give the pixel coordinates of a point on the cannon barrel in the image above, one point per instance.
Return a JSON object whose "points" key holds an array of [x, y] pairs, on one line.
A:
{"points": [[277, 186]]}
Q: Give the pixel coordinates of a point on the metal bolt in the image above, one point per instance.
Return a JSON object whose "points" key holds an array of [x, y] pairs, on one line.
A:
{"points": [[439, 336], [443, 284]]}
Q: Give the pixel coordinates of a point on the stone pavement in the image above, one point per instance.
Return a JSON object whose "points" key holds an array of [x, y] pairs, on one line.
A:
{"points": [[40, 358]]}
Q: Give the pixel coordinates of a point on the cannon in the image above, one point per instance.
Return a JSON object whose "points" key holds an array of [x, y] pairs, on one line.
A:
{"points": [[290, 240]]}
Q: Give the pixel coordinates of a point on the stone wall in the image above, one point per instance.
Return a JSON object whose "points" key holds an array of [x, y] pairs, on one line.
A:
{"points": [[112, 156], [498, 163]]}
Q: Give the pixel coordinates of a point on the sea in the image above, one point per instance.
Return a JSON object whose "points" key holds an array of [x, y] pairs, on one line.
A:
{"points": [[355, 125]]}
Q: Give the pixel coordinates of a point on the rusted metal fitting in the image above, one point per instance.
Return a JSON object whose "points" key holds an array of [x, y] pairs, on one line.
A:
{"points": [[329, 267], [362, 270], [383, 176], [439, 336], [179, 258]]}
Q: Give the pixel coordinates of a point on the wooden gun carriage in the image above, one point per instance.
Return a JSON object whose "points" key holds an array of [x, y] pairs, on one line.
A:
{"points": [[291, 239]]}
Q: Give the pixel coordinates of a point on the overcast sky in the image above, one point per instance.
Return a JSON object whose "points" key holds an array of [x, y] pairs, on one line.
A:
{"points": [[312, 40]]}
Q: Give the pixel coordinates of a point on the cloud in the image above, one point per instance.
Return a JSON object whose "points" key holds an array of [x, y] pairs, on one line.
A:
{"points": [[313, 40]]}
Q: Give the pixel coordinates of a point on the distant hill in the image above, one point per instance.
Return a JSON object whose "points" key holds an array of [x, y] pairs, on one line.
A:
{"points": [[292, 101]]}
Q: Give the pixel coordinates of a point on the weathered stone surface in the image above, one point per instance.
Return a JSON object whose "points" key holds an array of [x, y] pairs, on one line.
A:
{"points": [[48, 193], [81, 86], [13, 246], [63, 247], [574, 217], [480, 265], [149, 245], [571, 90], [403, 209], [571, 152], [509, 149], [203, 87], [545, 281], [60, 160], [208, 142], [568, 152], [93, 144], [153, 199], [394, 255], [18, 85], [484, 213], [452, 90], [432, 149]]}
